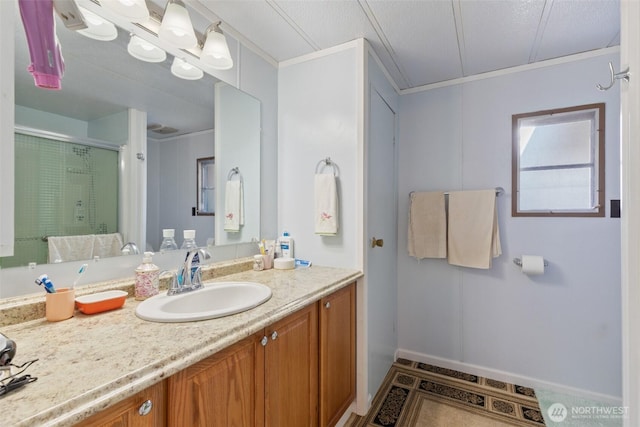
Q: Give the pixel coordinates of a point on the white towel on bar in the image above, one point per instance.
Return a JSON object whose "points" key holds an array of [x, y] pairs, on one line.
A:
{"points": [[474, 236], [326, 204], [107, 245], [233, 206], [427, 235], [70, 248]]}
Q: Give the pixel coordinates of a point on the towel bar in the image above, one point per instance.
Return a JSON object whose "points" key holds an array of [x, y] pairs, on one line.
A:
{"points": [[499, 192]]}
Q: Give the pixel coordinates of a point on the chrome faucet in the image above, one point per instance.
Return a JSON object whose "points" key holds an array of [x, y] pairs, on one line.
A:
{"points": [[189, 278], [129, 248]]}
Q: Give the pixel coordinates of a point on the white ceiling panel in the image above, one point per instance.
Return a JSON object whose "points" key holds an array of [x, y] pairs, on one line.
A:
{"points": [[579, 26], [328, 23], [423, 39], [490, 41], [257, 21]]}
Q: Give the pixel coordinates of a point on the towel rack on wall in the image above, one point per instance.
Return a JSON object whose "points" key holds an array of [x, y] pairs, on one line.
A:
{"points": [[499, 192], [233, 172], [327, 162]]}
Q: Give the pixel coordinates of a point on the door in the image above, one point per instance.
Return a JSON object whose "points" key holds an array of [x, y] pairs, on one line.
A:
{"points": [[226, 389], [291, 370], [337, 319], [381, 211]]}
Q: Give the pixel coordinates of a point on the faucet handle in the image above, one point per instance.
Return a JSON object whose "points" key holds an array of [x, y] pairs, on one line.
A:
{"points": [[174, 287]]}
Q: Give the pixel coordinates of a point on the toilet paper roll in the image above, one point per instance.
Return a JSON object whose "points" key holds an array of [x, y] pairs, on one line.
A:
{"points": [[532, 265]]}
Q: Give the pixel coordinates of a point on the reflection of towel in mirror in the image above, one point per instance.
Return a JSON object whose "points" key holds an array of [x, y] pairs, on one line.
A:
{"points": [[474, 237], [233, 206], [70, 248], [427, 236], [83, 247], [107, 245], [326, 205]]}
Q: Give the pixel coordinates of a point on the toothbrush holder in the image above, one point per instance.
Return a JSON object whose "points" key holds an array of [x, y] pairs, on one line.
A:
{"points": [[60, 305]]}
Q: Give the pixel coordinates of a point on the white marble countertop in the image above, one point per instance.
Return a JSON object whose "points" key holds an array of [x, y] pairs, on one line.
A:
{"points": [[90, 362]]}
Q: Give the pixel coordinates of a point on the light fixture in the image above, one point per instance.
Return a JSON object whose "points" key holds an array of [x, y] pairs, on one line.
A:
{"points": [[132, 10], [184, 70], [98, 28], [176, 27], [215, 52], [145, 51]]}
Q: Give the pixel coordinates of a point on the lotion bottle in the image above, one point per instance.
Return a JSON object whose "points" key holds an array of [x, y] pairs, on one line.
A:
{"points": [[147, 278], [286, 245]]}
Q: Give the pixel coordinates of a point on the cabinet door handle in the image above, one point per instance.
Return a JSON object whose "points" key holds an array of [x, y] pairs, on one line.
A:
{"points": [[274, 335], [145, 408], [264, 341], [327, 304]]}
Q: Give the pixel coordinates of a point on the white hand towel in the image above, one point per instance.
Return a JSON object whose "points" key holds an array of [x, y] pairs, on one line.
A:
{"points": [[326, 205], [474, 237], [233, 206], [427, 225]]}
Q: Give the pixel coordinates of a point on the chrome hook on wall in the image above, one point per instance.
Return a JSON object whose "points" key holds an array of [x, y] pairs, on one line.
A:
{"points": [[622, 75]]}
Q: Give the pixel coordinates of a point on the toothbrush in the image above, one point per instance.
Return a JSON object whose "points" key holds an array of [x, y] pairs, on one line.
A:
{"points": [[83, 267], [46, 284]]}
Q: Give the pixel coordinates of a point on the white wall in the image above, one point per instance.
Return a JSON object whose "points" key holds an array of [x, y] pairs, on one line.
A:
{"points": [[172, 187], [318, 106], [259, 78], [562, 327]]}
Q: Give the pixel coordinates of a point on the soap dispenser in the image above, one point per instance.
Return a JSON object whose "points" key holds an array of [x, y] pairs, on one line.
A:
{"points": [[147, 278]]}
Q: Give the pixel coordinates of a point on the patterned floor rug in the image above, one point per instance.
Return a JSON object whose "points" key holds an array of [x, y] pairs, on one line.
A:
{"points": [[416, 394]]}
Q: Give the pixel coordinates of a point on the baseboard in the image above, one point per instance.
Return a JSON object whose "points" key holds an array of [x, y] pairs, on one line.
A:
{"points": [[506, 376], [347, 414]]}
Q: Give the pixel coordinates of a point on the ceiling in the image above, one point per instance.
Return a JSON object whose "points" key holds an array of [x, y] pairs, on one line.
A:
{"points": [[420, 42]]}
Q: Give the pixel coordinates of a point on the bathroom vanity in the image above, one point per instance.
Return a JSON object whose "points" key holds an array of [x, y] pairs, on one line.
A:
{"points": [[290, 361]]}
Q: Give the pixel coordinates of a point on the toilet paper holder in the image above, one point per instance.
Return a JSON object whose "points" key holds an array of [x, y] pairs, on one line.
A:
{"points": [[518, 262]]}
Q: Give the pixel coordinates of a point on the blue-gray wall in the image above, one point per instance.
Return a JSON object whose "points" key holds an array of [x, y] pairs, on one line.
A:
{"points": [[563, 327]]}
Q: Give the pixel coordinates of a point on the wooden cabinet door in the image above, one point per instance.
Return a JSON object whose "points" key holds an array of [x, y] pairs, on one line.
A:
{"points": [[337, 314], [224, 390], [127, 413], [291, 370]]}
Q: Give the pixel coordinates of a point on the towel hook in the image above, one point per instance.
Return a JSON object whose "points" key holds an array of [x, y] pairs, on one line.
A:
{"points": [[622, 75]]}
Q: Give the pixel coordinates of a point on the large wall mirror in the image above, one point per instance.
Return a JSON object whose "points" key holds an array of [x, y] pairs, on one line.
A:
{"points": [[88, 118]]}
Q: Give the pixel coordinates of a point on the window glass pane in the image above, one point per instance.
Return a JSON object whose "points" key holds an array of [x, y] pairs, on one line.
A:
{"points": [[556, 189], [555, 144], [558, 162]]}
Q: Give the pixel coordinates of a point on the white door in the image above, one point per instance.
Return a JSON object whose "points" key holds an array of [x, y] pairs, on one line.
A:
{"points": [[381, 217]]}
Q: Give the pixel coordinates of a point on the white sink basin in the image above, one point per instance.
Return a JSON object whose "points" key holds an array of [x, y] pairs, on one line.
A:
{"points": [[214, 300]]}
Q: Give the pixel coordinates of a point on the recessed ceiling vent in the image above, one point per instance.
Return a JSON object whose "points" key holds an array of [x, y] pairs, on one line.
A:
{"points": [[161, 129]]}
